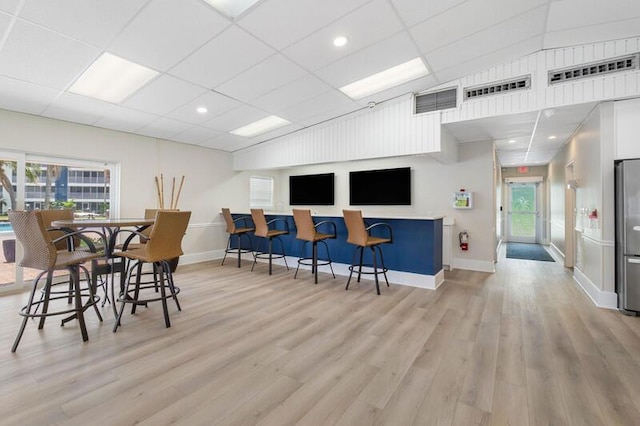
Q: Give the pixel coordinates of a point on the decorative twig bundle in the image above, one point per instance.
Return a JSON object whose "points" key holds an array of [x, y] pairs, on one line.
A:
{"points": [[160, 192]]}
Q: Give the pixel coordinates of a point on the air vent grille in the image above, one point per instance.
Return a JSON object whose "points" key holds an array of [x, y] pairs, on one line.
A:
{"points": [[623, 63], [436, 101], [506, 86]]}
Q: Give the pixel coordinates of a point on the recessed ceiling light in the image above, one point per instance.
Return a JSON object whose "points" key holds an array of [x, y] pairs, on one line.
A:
{"points": [[383, 80], [551, 137], [111, 78], [512, 141], [231, 8], [260, 126], [202, 110], [340, 41]]}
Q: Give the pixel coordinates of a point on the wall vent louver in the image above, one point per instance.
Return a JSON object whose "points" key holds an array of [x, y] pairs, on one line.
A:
{"points": [[506, 86], [608, 66], [436, 101]]}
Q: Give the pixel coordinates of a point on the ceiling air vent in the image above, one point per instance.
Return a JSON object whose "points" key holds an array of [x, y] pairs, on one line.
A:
{"points": [[623, 63], [436, 101], [506, 86]]}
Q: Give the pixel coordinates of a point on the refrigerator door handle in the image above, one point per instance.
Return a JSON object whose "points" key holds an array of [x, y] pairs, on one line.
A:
{"points": [[633, 260], [636, 228]]}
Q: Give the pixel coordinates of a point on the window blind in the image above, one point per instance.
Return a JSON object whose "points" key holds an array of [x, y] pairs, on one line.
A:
{"points": [[260, 192]]}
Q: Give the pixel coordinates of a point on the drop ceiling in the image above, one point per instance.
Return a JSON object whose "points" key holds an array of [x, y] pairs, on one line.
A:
{"points": [[277, 58]]}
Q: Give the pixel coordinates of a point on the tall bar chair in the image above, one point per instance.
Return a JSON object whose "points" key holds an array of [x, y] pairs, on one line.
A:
{"points": [[265, 233], [163, 244], [40, 252], [239, 232], [307, 231], [359, 235]]}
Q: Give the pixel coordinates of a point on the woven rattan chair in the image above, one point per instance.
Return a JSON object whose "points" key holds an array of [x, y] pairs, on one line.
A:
{"points": [[265, 233], [40, 252], [238, 232], [359, 235], [164, 244], [307, 231]]}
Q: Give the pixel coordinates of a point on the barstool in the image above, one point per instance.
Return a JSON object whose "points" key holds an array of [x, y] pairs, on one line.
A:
{"points": [[263, 231], [40, 252], [307, 231], [240, 232], [359, 236]]}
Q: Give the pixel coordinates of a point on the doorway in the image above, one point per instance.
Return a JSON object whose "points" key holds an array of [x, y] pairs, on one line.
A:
{"points": [[523, 213]]}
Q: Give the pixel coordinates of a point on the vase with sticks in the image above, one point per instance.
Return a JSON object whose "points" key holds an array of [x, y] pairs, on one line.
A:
{"points": [[173, 205]]}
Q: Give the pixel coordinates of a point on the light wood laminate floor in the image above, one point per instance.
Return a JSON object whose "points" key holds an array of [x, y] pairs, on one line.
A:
{"points": [[523, 346]]}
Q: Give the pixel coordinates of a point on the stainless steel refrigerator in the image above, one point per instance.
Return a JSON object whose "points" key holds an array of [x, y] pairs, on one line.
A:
{"points": [[627, 196]]}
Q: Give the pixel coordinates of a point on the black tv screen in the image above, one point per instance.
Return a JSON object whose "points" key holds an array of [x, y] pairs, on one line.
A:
{"points": [[311, 190], [387, 187]]}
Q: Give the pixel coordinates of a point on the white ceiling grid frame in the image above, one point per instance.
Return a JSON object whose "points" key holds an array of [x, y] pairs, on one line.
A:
{"points": [[178, 26], [269, 19]]}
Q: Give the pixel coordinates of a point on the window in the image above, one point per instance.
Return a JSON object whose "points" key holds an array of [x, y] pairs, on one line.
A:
{"points": [[260, 192]]}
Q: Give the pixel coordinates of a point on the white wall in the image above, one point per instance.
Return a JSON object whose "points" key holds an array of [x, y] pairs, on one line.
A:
{"points": [[557, 196], [432, 189], [210, 182]]}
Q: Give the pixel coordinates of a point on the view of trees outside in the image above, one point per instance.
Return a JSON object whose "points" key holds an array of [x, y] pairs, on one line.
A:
{"points": [[523, 203]]}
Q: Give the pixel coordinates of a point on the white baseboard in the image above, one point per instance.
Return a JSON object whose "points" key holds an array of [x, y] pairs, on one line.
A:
{"points": [[602, 299], [557, 252], [474, 265], [204, 256]]}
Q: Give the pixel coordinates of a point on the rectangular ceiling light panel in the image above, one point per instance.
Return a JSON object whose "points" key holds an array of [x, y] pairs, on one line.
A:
{"points": [[112, 79], [232, 8], [261, 126], [386, 79]]}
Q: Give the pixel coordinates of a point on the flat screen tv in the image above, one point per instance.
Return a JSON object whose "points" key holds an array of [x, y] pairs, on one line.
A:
{"points": [[387, 187], [311, 190]]}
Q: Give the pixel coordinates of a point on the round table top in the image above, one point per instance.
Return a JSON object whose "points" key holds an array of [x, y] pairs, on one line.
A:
{"points": [[101, 223]]}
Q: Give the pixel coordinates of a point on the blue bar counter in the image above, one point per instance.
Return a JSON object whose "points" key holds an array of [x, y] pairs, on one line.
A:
{"points": [[414, 258]]}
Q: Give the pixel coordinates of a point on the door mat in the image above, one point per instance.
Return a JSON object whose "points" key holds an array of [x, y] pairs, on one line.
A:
{"points": [[528, 252]]}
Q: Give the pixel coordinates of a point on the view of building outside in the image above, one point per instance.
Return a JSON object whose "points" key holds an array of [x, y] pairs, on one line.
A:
{"points": [[86, 190]]}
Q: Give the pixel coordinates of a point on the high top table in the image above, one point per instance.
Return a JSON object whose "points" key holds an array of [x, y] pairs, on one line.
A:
{"points": [[111, 228]]}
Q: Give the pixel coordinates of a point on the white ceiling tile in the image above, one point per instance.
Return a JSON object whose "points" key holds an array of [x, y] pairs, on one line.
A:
{"points": [[235, 118], [290, 128], [164, 94], [77, 108], [519, 29], [125, 119], [333, 100], [281, 23], [466, 19], [197, 135], [567, 14], [43, 57], [592, 34], [20, 96], [373, 59], [9, 5], [164, 128], [483, 62], [227, 142], [414, 11], [307, 87], [216, 104], [166, 31], [94, 21], [317, 50], [5, 20], [222, 58], [330, 114], [269, 74]]}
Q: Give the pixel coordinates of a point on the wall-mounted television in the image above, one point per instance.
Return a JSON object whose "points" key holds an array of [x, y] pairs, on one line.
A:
{"points": [[311, 190], [387, 187]]}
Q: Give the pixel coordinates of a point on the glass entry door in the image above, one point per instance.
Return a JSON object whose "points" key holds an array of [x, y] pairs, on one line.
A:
{"points": [[522, 222]]}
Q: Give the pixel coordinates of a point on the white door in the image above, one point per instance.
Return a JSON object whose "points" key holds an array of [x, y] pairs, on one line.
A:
{"points": [[522, 223]]}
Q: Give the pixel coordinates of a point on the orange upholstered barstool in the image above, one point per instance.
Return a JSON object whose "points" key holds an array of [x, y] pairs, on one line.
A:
{"points": [[359, 235], [239, 231], [307, 231], [263, 231]]}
